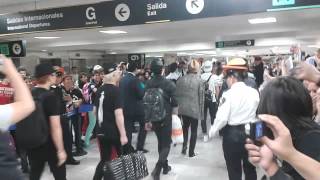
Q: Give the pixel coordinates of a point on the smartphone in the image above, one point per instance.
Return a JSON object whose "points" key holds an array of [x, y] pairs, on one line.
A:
{"points": [[258, 130]]}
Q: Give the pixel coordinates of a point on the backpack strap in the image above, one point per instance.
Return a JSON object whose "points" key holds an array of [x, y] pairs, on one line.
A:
{"points": [[209, 78]]}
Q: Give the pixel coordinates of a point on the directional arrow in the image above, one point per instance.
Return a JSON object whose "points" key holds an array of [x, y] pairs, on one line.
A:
{"points": [[121, 12], [193, 3]]}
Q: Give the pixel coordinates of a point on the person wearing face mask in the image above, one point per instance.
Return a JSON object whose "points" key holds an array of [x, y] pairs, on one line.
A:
{"points": [[108, 108]]}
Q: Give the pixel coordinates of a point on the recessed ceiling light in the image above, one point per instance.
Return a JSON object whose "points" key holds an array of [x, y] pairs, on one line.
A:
{"points": [[262, 20], [114, 32], [47, 37]]}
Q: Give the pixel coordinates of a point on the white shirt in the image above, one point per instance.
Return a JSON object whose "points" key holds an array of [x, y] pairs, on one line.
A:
{"points": [[6, 112], [237, 106], [212, 83]]}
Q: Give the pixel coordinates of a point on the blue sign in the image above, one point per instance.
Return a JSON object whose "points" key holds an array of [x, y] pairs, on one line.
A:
{"points": [[283, 2]]}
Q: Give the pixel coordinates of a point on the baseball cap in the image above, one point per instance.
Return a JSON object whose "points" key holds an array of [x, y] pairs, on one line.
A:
{"points": [[110, 68], [43, 70], [59, 70]]}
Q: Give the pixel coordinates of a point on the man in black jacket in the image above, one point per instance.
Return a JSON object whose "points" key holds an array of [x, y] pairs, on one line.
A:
{"points": [[163, 129], [132, 92]]}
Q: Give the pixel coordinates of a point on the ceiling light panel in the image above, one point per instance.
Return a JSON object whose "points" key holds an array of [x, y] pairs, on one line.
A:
{"points": [[262, 20], [47, 37], [114, 32]]}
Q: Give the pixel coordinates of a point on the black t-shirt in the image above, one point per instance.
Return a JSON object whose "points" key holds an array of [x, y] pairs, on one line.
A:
{"points": [[308, 144], [76, 95], [92, 86], [108, 97], [50, 102], [57, 90]]}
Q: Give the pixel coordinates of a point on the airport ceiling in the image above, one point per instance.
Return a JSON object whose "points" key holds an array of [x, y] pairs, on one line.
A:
{"points": [[292, 27]]}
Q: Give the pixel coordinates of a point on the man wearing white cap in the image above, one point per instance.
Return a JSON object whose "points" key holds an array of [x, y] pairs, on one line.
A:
{"points": [[210, 96]]}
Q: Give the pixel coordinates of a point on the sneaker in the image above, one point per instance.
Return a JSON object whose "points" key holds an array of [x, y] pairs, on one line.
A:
{"points": [[193, 155], [205, 138], [143, 150], [80, 153]]}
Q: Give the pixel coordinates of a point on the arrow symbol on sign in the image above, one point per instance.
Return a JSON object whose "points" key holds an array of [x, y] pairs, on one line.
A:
{"points": [[193, 3], [121, 12]]}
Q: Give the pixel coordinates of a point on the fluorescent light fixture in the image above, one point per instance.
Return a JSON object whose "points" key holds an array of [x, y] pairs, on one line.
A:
{"points": [[114, 32], [262, 20], [154, 22], [314, 46], [276, 42], [47, 37], [113, 53], [44, 50]]}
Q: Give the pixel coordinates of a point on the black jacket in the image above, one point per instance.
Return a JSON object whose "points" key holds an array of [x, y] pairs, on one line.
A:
{"points": [[169, 89], [132, 92]]}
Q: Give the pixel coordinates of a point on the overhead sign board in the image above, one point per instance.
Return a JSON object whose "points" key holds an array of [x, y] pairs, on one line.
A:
{"points": [[13, 48], [138, 59], [129, 12], [50, 19], [238, 43]]}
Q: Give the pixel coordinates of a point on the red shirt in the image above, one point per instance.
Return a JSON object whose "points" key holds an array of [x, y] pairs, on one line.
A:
{"points": [[6, 93]]}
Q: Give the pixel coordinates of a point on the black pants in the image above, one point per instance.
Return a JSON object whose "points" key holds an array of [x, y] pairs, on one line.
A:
{"points": [[76, 124], [235, 154], [22, 153], [163, 132], [67, 137], [212, 107], [39, 156], [105, 151], [187, 122], [129, 126]]}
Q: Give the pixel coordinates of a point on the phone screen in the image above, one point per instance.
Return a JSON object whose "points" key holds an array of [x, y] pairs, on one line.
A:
{"points": [[259, 130]]}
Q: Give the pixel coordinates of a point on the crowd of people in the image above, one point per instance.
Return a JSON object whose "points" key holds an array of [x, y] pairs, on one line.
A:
{"points": [[107, 102]]}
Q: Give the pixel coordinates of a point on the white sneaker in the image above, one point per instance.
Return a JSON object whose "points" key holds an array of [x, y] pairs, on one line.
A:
{"points": [[205, 138]]}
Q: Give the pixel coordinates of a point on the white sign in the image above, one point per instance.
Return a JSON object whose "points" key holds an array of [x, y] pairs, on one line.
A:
{"points": [[194, 6], [122, 12], [91, 13]]}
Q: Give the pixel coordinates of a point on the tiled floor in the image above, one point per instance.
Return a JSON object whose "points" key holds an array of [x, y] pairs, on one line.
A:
{"points": [[208, 165]]}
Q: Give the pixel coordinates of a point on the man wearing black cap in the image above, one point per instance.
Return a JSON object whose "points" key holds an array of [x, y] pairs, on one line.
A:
{"points": [[53, 151], [63, 99], [163, 129], [111, 133], [132, 92], [237, 108]]}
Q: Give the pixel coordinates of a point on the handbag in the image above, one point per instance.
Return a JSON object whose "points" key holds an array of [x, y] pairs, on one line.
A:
{"points": [[177, 132], [127, 167]]}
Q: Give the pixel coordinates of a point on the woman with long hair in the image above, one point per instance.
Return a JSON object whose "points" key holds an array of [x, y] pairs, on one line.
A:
{"points": [[287, 99]]}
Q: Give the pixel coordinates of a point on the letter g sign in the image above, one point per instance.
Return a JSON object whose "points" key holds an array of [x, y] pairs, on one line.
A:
{"points": [[91, 13]]}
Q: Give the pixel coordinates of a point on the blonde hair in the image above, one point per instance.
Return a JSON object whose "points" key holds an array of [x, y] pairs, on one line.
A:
{"points": [[193, 66]]}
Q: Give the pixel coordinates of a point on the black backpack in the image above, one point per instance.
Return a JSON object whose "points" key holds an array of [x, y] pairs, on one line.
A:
{"points": [[207, 91], [33, 131], [154, 105]]}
